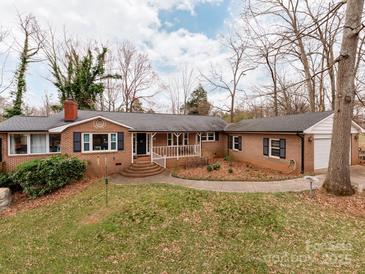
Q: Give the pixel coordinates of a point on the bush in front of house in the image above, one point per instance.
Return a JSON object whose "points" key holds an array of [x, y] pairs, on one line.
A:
{"points": [[41, 176], [230, 170], [214, 166], [6, 180]]}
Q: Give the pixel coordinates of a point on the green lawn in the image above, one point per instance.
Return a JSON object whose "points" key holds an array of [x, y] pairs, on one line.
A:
{"points": [[158, 228]]}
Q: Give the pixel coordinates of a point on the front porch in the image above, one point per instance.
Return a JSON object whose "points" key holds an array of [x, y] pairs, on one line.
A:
{"points": [[159, 147]]}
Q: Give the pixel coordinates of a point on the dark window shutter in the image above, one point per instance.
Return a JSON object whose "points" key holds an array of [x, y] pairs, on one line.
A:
{"points": [[77, 141], [230, 142], [1, 149], [240, 143], [217, 136], [120, 140], [282, 148], [266, 146]]}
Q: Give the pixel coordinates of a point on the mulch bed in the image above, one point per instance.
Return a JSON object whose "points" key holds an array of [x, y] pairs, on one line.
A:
{"points": [[241, 172], [349, 205], [21, 202]]}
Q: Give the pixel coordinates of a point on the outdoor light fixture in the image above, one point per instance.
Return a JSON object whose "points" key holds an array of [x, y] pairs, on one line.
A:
{"points": [[310, 139]]}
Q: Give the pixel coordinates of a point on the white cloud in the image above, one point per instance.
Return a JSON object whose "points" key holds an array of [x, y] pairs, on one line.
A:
{"points": [[115, 20]]}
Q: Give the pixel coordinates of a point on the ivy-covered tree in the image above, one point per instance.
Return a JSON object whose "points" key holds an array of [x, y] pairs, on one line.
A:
{"points": [[198, 102], [77, 73], [30, 47]]}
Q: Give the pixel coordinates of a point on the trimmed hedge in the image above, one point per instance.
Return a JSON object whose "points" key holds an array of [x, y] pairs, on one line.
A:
{"points": [[41, 176]]}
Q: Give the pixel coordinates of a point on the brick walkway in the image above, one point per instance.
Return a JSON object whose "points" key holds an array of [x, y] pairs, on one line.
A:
{"points": [[293, 185]]}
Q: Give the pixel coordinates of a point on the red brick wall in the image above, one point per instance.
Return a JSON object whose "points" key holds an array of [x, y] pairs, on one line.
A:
{"points": [[95, 160], [355, 149], [252, 152]]}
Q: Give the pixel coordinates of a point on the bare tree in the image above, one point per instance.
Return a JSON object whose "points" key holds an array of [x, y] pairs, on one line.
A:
{"points": [[338, 177], [239, 64], [136, 74], [179, 88], [29, 49]]}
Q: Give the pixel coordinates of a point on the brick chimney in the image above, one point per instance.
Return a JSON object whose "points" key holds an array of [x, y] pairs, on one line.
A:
{"points": [[70, 110]]}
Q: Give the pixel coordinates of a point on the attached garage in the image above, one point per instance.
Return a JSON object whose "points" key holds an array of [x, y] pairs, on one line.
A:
{"points": [[322, 134], [322, 148], [307, 137]]}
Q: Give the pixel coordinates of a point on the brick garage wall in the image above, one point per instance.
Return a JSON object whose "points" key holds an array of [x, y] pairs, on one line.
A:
{"points": [[252, 152], [355, 149], [308, 153], [95, 160]]}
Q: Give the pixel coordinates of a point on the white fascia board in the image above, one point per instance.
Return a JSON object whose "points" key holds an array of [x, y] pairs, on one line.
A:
{"points": [[62, 128]]}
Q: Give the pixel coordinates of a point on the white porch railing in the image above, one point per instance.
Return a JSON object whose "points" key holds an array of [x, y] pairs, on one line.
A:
{"points": [[177, 151], [159, 160]]}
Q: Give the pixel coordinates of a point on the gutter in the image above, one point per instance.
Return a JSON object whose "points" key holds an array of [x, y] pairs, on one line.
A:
{"points": [[301, 136]]}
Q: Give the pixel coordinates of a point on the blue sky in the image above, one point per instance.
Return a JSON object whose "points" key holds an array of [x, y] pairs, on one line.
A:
{"points": [[207, 18]]}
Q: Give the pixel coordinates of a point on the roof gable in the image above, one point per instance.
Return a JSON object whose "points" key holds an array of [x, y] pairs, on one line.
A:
{"points": [[325, 127]]}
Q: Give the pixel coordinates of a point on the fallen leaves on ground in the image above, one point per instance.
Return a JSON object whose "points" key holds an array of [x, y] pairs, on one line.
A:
{"points": [[240, 172], [21, 202]]}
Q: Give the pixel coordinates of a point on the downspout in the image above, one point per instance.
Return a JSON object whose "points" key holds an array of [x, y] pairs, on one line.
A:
{"points": [[301, 136]]}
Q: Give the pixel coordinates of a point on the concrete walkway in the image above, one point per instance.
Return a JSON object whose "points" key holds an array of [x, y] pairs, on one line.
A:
{"points": [[292, 185]]}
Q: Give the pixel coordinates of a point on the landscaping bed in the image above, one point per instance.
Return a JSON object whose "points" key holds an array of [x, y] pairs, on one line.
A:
{"points": [[231, 171]]}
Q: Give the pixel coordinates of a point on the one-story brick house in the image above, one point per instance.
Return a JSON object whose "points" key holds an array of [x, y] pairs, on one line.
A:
{"points": [[298, 143]]}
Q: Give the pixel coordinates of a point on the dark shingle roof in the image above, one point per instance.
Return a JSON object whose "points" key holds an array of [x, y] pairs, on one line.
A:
{"points": [[288, 123], [136, 121]]}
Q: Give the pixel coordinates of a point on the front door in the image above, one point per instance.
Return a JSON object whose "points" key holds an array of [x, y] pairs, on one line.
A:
{"points": [[141, 143]]}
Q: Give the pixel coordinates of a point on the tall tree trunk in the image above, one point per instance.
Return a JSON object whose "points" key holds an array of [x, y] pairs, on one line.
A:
{"points": [[338, 177]]}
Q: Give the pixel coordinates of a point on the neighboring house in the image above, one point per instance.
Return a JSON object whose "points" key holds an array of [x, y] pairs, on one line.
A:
{"points": [[295, 142]]}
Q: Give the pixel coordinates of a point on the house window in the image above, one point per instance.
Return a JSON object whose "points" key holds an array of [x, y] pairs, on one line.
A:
{"points": [[99, 142], [34, 143], [18, 144], [54, 142], [186, 139], [236, 142], [170, 139], [38, 143], [274, 148], [86, 140], [113, 141], [208, 136], [173, 140]]}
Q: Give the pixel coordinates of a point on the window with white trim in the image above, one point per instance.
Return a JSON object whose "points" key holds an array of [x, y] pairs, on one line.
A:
{"points": [[236, 143], [208, 136], [34, 143], [274, 149], [173, 140], [93, 142]]}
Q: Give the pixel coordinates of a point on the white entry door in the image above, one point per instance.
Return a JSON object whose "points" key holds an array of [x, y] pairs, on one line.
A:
{"points": [[322, 148]]}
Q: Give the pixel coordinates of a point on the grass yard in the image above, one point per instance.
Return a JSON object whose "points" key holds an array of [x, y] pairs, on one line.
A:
{"points": [[166, 229]]}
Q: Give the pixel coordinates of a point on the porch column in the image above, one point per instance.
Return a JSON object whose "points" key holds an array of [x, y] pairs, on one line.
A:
{"points": [[151, 144], [200, 143], [177, 144], [132, 142]]}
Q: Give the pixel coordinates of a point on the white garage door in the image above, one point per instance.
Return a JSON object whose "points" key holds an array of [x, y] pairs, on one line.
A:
{"points": [[322, 147]]}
